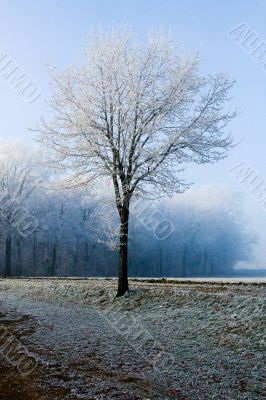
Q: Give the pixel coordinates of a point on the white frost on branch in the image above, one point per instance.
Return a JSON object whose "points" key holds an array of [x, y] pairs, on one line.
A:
{"points": [[136, 114], [105, 225]]}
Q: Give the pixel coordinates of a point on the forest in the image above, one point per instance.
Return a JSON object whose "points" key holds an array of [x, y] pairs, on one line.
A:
{"points": [[47, 231]]}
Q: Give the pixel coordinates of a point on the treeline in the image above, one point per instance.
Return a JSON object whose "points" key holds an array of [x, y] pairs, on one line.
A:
{"points": [[46, 232]]}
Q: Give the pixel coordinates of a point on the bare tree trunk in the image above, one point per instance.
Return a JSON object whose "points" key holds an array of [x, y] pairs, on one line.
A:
{"points": [[52, 266], [75, 261], [160, 261], [34, 251], [86, 248], [88, 255], [205, 263], [123, 253], [8, 256], [184, 262], [19, 264]]}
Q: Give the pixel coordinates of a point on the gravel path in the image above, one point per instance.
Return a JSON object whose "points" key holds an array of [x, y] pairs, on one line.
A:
{"points": [[159, 342]]}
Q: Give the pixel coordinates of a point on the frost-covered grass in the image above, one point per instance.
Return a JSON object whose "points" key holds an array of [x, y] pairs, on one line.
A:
{"points": [[216, 334]]}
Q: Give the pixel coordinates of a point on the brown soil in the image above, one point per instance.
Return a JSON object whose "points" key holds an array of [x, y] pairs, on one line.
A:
{"points": [[13, 384]]}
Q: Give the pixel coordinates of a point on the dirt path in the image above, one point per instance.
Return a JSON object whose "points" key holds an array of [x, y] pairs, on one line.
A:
{"points": [[215, 333], [76, 360], [15, 385]]}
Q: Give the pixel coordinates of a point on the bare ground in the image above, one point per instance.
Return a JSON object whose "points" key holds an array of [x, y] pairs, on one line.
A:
{"points": [[89, 346]]}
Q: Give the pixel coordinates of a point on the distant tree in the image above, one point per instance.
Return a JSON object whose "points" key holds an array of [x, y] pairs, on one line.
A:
{"points": [[17, 184], [61, 226], [136, 114]]}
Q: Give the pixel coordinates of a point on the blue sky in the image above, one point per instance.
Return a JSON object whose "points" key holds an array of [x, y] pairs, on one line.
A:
{"points": [[40, 33]]}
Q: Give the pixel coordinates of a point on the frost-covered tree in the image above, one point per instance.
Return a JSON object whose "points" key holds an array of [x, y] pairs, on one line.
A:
{"points": [[18, 180], [134, 113]]}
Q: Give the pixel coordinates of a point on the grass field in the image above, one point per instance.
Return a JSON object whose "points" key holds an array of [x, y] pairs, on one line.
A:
{"points": [[163, 340]]}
